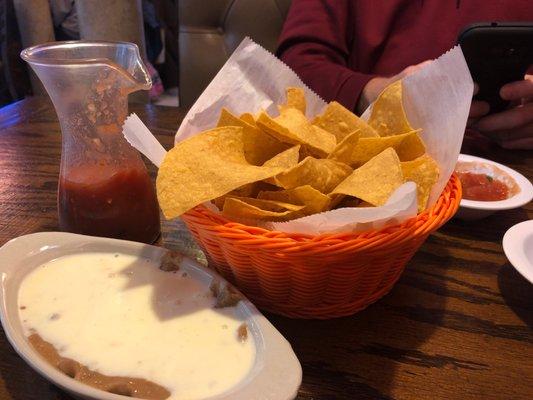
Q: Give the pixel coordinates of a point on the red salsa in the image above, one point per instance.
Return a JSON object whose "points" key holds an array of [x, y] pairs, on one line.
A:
{"points": [[110, 201], [482, 187]]}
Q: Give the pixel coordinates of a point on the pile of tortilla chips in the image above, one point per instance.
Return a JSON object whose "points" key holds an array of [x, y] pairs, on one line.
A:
{"points": [[280, 168]]}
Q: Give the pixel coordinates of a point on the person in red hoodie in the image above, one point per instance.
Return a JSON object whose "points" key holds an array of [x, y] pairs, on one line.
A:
{"points": [[350, 50]]}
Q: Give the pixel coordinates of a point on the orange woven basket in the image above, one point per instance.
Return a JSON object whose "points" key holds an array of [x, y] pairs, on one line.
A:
{"points": [[322, 276]]}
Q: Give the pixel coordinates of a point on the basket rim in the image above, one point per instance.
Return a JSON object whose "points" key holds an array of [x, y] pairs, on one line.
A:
{"points": [[422, 224]]}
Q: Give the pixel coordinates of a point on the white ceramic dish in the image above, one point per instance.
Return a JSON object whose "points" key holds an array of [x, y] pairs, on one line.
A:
{"points": [[518, 247], [472, 209], [275, 375]]}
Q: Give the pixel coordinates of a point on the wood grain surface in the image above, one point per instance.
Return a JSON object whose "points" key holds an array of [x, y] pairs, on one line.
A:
{"points": [[457, 325]]}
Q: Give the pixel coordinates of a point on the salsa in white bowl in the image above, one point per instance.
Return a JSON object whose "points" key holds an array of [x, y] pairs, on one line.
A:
{"points": [[489, 187]]}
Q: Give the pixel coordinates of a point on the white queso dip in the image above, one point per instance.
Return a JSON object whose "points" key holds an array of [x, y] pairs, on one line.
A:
{"points": [[121, 316]]}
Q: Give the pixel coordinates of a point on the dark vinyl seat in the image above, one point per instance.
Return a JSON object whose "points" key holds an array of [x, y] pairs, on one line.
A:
{"points": [[209, 31]]}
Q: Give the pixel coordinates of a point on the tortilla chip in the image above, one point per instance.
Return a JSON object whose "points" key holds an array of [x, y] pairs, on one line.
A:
{"points": [[364, 204], [342, 122], [248, 190], [219, 202], [312, 199], [348, 201], [226, 118], [366, 148], [375, 181], [265, 210], [411, 147], [258, 146], [424, 171], [344, 150], [204, 167], [295, 99], [322, 174], [243, 191], [287, 159], [248, 118], [293, 127], [304, 153], [388, 115], [336, 199]]}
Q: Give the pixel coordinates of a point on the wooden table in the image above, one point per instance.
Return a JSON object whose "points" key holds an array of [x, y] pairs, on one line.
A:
{"points": [[456, 326]]}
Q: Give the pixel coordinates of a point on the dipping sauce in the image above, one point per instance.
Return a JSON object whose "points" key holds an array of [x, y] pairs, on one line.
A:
{"points": [[127, 386], [482, 187], [485, 182], [121, 316], [111, 201]]}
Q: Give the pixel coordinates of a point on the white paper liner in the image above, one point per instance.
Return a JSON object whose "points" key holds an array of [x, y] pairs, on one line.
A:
{"points": [[436, 98], [252, 79], [138, 135]]}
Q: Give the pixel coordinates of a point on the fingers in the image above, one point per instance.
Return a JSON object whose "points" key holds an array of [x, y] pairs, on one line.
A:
{"points": [[510, 119], [520, 144], [412, 69], [370, 92], [518, 90], [478, 109], [521, 138], [376, 85]]}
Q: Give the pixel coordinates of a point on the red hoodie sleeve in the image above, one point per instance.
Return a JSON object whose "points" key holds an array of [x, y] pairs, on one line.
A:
{"points": [[315, 42]]}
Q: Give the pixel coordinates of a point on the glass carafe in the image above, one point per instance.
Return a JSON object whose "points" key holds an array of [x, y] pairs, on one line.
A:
{"points": [[104, 188]]}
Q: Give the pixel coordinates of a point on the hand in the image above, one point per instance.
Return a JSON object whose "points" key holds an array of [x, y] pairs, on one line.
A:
{"points": [[477, 109], [376, 85], [512, 128]]}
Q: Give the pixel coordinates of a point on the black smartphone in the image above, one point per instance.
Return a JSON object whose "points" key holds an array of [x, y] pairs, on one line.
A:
{"points": [[496, 54]]}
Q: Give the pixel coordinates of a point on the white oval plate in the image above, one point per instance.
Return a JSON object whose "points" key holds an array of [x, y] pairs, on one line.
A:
{"points": [[472, 209], [275, 375], [518, 247]]}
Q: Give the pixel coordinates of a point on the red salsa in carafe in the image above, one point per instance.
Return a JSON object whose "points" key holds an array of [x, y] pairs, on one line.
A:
{"points": [[116, 201]]}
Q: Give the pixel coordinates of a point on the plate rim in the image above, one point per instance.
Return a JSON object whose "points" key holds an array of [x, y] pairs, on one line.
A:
{"points": [[513, 246]]}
